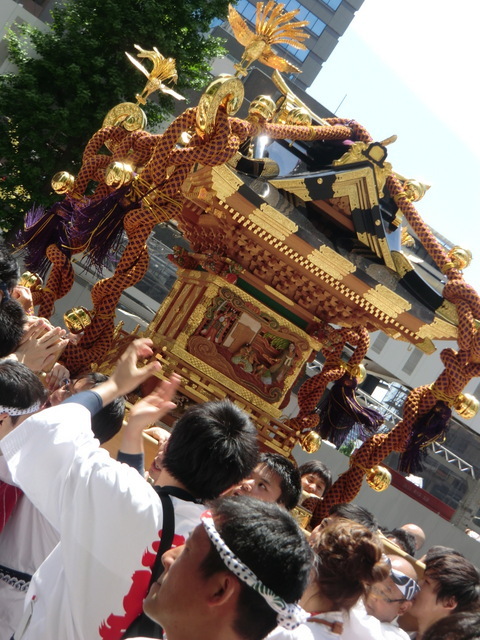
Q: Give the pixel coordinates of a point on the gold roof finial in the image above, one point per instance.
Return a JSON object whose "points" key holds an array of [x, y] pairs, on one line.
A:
{"points": [[163, 69], [272, 26]]}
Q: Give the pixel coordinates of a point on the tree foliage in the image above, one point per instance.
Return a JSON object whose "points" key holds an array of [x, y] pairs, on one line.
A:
{"points": [[78, 71]]}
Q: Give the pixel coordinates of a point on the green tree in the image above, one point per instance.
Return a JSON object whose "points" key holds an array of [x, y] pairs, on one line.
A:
{"points": [[77, 73]]}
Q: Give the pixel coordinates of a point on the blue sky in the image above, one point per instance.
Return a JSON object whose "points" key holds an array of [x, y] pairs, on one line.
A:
{"points": [[410, 67]]}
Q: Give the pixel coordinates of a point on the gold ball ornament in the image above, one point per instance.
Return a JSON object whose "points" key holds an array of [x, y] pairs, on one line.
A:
{"points": [[118, 174], [460, 257], [359, 372], [261, 108], [77, 319], [379, 478], [311, 442], [63, 182], [466, 406], [30, 280], [299, 117]]}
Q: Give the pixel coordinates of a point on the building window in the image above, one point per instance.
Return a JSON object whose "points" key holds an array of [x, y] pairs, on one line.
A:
{"points": [[412, 361], [380, 341], [333, 4]]}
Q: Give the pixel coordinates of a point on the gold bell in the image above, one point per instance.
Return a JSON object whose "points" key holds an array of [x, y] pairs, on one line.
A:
{"points": [[118, 174], [359, 372], [379, 478], [77, 319], [261, 108], [460, 257], [466, 406], [63, 182], [30, 280], [311, 442]]}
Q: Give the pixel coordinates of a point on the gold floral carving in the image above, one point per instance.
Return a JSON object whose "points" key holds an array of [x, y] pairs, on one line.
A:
{"points": [[387, 301], [277, 225], [331, 262], [402, 263], [225, 182], [296, 186], [438, 330], [359, 186]]}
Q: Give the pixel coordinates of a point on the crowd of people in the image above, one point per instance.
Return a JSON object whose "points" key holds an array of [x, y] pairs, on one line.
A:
{"points": [[203, 543]]}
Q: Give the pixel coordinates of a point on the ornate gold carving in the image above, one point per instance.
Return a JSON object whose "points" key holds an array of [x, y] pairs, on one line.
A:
{"points": [[448, 311], [387, 301], [296, 186], [163, 69], [224, 91], [359, 186], [224, 182], [272, 25], [291, 101], [439, 329], [273, 222], [331, 262]]}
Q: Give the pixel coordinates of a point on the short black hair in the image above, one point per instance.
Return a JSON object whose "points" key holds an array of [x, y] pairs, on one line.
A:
{"points": [[457, 626], [457, 578], [269, 542], [212, 447], [20, 388], [354, 512], [319, 469], [12, 323], [402, 539], [290, 481], [108, 421], [9, 271]]}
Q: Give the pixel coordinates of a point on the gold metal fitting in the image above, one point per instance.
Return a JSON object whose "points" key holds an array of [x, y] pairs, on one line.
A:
{"points": [[118, 174], [299, 117], [77, 319], [357, 371], [63, 182], [261, 108], [226, 92], [30, 280], [466, 405], [461, 258], [379, 478], [415, 190], [311, 442]]}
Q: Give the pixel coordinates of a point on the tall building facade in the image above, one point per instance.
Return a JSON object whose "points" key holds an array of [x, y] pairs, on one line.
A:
{"points": [[328, 21]]}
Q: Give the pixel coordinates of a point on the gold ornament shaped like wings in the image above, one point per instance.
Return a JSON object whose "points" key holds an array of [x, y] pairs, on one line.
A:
{"points": [[272, 26], [163, 70]]}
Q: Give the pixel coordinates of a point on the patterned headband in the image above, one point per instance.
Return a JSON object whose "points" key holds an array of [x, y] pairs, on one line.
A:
{"points": [[408, 586], [289, 616], [15, 411]]}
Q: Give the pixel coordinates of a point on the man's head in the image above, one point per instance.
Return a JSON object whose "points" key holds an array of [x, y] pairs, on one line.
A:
{"points": [[265, 539], [417, 532], [105, 423], [212, 446], [274, 479], [458, 626], [393, 596], [12, 316], [450, 584], [21, 393], [402, 539], [316, 477]]}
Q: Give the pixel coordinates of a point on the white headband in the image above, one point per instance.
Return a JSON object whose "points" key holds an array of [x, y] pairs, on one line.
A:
{"points": [[408, 586], [15, 411], [289, 616]]}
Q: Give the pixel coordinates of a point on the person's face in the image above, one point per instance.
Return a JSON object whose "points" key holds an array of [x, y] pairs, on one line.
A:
{"points": [[425, 607], [262, 484], [156, 466], [385, 601], [178, 599], [68, 389], [313, 483]]}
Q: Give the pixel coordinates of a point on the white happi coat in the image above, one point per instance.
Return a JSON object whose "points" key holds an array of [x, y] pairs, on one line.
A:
{"points": [[109, 519]]}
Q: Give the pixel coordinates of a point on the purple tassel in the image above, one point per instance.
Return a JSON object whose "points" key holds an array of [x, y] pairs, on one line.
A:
{"points": [[342, 413], [99, 227], [43, 227], [426, 429]]}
